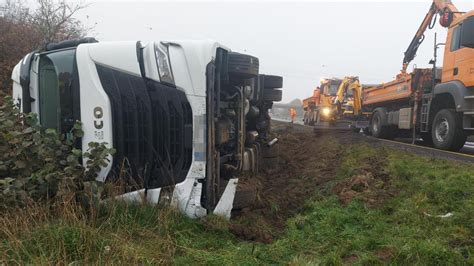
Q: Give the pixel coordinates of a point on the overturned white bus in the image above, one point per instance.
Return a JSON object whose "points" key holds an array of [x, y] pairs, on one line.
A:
{"points": [[187, 118]]}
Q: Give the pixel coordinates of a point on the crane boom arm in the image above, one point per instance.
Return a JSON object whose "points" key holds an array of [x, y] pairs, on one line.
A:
{"points": [[438, 6], [357, 94], [353, 84], [341, 90]]}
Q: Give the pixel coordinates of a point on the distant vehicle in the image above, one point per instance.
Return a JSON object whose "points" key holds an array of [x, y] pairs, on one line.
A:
{"points": [[435, 103], [336, 105], [311, 108], [187, 118], [320, 108]]}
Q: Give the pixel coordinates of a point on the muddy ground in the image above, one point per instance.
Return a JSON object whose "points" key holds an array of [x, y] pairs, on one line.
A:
{"points": [[307, 164]]}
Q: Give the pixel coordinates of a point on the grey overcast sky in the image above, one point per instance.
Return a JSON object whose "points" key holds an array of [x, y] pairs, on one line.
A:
{"points": [[301, 41]]}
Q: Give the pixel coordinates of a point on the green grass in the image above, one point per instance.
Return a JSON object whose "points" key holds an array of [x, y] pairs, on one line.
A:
{"points": [[325, 232]]}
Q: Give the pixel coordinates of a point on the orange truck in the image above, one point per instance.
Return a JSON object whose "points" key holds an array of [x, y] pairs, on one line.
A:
{"points": [[320, 108], [436, 104], [310, 107]]}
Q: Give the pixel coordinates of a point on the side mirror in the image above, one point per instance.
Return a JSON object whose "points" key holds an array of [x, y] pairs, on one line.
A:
{"points": [[467, 32]]}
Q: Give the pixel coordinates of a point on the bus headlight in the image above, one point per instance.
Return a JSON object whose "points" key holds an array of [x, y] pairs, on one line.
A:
{"points": [[163, 63]]}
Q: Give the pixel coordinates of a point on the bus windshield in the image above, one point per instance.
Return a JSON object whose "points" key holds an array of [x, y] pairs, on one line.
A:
{"points": [[56, 95]]}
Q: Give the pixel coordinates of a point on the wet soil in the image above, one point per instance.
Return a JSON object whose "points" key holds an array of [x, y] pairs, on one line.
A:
{"points": [[305, 165], [372, 184]]}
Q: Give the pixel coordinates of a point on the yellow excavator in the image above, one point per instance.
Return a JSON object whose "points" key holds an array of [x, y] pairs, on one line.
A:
{"points": [[349, 97], [344, 111]]}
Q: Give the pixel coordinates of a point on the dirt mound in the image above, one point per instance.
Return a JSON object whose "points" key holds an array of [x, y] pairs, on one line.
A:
{"points": [[374, 192], [371, 184], [306, 164], [250, 233], [385, 254]]}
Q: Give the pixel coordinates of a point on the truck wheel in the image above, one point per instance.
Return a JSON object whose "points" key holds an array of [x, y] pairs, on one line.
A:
{"points": [[376, 125], [272, 95], [242, 65], [447, 132], [377, 129], [273, 82]]}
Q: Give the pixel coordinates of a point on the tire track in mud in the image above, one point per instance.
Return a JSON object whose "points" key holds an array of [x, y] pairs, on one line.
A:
{"points": [[305, 163]]}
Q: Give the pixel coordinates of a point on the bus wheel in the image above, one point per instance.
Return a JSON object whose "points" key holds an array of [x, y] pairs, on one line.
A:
{"points": [[447, 132]]}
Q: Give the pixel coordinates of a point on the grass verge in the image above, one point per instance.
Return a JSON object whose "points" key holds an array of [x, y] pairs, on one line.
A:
{"points": [[383, 206]]}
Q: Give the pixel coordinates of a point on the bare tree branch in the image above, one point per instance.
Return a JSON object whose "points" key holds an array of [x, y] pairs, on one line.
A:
{"points": [[55, 20], [23, 29]]}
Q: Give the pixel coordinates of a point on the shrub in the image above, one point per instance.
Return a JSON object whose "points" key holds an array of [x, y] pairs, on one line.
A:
{"points": [[39, 164]]}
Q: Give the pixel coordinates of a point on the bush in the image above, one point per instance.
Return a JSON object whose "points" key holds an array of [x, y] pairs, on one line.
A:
{"points": [[39, 164]]}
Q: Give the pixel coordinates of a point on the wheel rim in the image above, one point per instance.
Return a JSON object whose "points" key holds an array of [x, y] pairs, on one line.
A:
{"points": [[442, 130], [375, 124]]}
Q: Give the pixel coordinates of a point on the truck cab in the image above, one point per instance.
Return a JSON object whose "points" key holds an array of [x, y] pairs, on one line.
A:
{"points": [[185, 117], [459, 52], [327, 108]]}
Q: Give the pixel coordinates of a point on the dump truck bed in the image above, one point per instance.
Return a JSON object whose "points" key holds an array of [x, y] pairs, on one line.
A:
{"points": [[401, 89], [392, 91]]}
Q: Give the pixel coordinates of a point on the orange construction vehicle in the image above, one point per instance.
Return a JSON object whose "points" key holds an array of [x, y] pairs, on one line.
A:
{"points": [[436, 104], [340, 110], [321, 107], [310, 107]]}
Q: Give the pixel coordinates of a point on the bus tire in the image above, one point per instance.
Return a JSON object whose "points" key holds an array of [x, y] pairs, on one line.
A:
{"points": [[242, 65]]}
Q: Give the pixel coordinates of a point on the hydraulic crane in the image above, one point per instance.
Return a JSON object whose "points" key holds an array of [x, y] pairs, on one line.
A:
{"points": [[448, 13], [349, 96], [436, 104]]}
